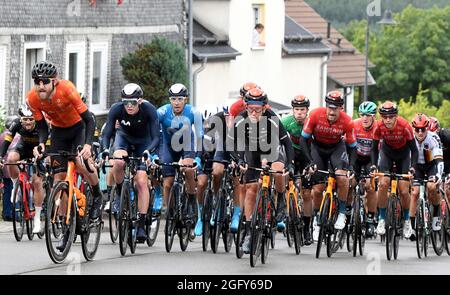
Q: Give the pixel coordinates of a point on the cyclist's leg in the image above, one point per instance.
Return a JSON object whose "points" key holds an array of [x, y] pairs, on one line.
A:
{"points": [[218, 169], [13, 170], [434, 196], [415, 193], [251, 190]]}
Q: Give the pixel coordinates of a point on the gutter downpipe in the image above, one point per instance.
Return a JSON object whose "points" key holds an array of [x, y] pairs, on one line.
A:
{"points": [[194, 83], [323, 77]]}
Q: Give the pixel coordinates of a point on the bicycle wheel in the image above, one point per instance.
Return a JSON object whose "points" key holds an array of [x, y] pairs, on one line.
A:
{"points": [[227, 235], [57, 231], [362, 228], [124, 217], [153, 221], [18, 217], [390, 225], [356, 225], [218, 221], [206, 218], [269, 232], [323, 224], [446, 225], [257, 227], [41, 234], [171, 216], [420, 228], [184, 230], [30, 219], [133, 222], [240, 235], [294, 223], [113, 217], [398, 226], [90, 232], [334, 236], [438, 237]]}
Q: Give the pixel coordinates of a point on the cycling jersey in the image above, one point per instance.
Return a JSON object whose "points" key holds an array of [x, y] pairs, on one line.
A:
{"points": [[429, 149], [444, 135], [64, 108], [27, 137], [294, 129], [237, 107], [322, 131], [364, 139], [397, 137], [141, 128]]}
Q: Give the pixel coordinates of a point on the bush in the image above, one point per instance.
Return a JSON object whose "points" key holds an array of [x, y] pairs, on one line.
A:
{"points": [[2, 119], [155, 67]]}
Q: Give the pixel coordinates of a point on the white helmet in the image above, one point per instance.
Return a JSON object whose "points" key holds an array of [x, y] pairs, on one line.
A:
{"points": [[208, 111]]}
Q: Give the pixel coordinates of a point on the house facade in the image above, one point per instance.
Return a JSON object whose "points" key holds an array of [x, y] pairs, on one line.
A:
{"points": [[292, 62], [85, 39]]}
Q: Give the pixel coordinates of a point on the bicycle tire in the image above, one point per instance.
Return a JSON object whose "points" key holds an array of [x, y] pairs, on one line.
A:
{"points": [[390, 225], [323, 219], [18, 217], [446, 225], [57, 256], [113, 217], [295, 224], [90, 233], [362, 230], [171, 217], [334, 236], [270, 232], [420, 229], [218, 220], [133, 221], [206, 218], [30, 225], [152, 217], [227, 235], [437, 237], [257, 227], [124, 216], [356, 224], [398, 226], [240, 235]]}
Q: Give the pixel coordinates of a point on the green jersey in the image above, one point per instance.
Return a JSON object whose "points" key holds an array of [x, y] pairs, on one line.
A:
{"points": [[294, 129]]}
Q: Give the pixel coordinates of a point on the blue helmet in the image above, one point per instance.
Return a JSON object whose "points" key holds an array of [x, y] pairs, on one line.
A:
{"points": [[368, 108]]}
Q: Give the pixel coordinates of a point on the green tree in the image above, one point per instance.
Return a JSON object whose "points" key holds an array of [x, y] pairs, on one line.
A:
{"points": [[155, 66]]}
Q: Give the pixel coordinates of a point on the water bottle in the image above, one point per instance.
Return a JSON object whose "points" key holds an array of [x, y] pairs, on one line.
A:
{"points": [[132, 194]]}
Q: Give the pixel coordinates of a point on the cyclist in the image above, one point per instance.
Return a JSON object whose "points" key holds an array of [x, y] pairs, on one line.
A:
{"points": [[139, 128], [239, 106], [258, 137], [71, 126], [25, 125], [364, 127], [429, 164], [444, 135], [326, 126], [180, 141], [398, 147], [294, 126]]}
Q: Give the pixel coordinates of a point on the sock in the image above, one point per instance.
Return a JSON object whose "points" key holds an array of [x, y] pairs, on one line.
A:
{"points": [[200, 209], [37, 212], [382, 213], [158, 191], [342, 207], [237, 210], [142, 217], [406, 214], [119, 188], [307, 220], [371, 215], [96, 191]]}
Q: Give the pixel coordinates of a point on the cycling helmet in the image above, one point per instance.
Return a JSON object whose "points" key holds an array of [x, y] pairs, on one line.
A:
{"points": [[368, 108], [300, 101], [420, 121], [256, 96], [388, 108], [434, 125], [44, 69], [178, 90], [246, 87], [208, 111], [132, 90], [24, 111], [334, 98], [83, 97]]}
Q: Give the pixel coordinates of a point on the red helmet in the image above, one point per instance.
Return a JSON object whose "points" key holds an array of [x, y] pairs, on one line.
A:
{"points": [[420, 121], [256, 96], [388, 108], [246, 87], [334, 98], [434, 125]]}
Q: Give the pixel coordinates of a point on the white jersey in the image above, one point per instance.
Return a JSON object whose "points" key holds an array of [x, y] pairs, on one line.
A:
{"points": [[430, 149]]}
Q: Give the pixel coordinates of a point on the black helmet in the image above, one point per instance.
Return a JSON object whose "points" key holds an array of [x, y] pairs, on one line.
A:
{"points": [[300, 101], [24, 111], [334, 98], [388, 108], [44, 69], [132, 90], [256, 96], [178, 90]]}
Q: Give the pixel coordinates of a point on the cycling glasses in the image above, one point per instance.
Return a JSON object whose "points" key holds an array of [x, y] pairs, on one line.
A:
{"points": [[46, 81], [418, 130], [177, 98], [130, 101], [28, 119], [256, 110], [388, 116]]}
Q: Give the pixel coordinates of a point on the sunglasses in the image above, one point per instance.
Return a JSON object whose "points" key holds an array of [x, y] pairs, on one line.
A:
{"points": [[366, 115], [46, 81], [418, 130], [27, 119], [251, 110], [133, 102], [177, 98], [389, 117]]}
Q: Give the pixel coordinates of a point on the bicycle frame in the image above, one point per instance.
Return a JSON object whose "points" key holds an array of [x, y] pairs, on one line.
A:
{"points": [[294, 193], [331, 185]]}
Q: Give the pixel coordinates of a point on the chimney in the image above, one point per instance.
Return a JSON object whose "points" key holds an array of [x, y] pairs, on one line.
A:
{"points": [[329, 30]]}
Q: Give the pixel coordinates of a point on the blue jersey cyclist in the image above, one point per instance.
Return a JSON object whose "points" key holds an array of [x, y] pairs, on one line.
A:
{"points": [[182, 133], [138, 134]]}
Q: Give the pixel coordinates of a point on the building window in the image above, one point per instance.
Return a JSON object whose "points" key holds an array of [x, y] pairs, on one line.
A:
{"points": [[33, 53], [98, 76], [3, 77], [258, 32], [75, 64]]}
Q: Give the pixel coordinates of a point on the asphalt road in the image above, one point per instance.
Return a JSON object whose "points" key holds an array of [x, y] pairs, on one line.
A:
{"points": [[30, 257]]}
